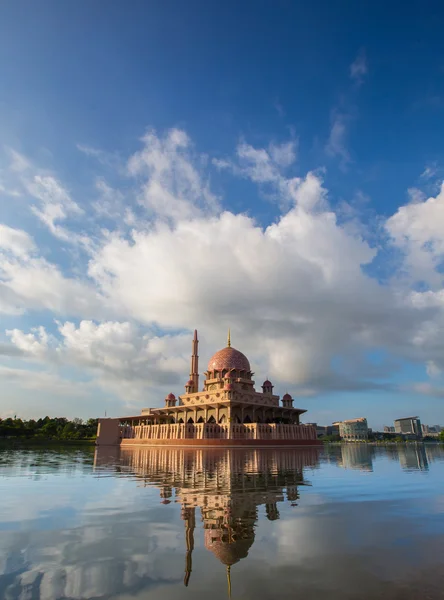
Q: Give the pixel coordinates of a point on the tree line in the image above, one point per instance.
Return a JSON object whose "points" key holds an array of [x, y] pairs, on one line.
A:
{"points": [[57, 428]]}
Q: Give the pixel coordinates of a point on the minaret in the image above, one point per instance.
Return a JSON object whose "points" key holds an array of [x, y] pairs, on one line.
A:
{"points": [[194, 374], [190, 523]]}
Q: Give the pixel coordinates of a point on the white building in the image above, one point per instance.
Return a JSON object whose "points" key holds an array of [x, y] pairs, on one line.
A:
{"points": [[353, 430]]}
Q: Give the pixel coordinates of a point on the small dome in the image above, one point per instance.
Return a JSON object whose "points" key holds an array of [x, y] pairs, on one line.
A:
{"points": [[190, 382], [228, 358], [286, 397], [267, 383], [171, 396]]}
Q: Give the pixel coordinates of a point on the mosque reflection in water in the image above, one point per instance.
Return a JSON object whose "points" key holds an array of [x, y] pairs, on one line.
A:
{"points": [[225, 486], [228, 486]]}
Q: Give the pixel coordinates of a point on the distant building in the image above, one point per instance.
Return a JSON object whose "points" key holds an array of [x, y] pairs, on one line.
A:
{"points": [[410, 426], [332, 429], [320, 429], [353, 430], [389, 429], [430, 429]]}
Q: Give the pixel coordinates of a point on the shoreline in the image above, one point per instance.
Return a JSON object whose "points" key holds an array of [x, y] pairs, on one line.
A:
{"points": [[412, 442], [11, 442]]}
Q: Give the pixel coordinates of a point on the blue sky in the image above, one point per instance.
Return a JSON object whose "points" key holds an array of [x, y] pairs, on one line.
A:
{"points": [[272, 167]]}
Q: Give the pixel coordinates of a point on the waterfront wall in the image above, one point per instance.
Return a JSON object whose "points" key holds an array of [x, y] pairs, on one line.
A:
{"points": [[233, 443], [213, 431], [111, 432]]}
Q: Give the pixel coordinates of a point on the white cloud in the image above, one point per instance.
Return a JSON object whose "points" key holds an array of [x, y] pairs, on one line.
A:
{"points": [[432, 369], [30, 282], [358, 68], [16, 241], [43, 381], [261, 165], [418, 230], [336, 144], [118, 357], [55, 205], [295, 293], [106, 159], [171, 184], [429, 172], [18, 162], [34, 344], [6, 191]]}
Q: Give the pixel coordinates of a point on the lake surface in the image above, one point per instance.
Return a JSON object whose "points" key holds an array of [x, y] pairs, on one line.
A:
{"points": [[346, 522]]}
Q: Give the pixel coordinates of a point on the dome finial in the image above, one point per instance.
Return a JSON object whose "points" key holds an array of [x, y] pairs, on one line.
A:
{"points": [[229, 339], [229, 580]]}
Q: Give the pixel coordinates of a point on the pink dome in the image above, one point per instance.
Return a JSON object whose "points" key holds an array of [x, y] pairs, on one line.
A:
{"points": [[171, 396], [267, 383], [228, 358], [190, 382], [286, 397]]}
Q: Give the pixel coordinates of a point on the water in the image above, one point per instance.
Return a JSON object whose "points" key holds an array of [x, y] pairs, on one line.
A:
{"points": [[347, 522]]}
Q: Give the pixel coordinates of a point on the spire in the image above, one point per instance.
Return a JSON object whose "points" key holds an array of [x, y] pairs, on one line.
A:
{"points": [[194, 371], [229, 580], [229, 339]]}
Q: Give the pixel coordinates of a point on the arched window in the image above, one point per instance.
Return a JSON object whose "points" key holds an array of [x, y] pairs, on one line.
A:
{"points": [[211, 420], [247, 419], [190, 421], [200, 420]]}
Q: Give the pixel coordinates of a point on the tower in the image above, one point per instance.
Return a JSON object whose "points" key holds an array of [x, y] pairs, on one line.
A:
{"points": [[267, 387], [287, 401], [188, 515], [194, 371]]}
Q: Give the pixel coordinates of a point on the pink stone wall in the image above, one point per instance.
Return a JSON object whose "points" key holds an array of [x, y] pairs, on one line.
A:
{"points": [[218, 443], [219, 434], [108, 432]]}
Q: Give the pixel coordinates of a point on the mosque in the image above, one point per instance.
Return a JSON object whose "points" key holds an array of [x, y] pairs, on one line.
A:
{"points": [[226, 411]]}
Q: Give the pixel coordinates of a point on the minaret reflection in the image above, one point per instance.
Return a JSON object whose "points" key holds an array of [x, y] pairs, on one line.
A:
{"points": [[227, 486], [189, 516]]}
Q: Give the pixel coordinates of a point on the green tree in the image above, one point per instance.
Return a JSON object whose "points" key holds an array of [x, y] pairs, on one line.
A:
{"points": [[52, 428]]}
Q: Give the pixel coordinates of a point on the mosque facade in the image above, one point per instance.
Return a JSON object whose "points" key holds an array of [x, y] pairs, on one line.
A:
{"points": [[227, 410]]}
